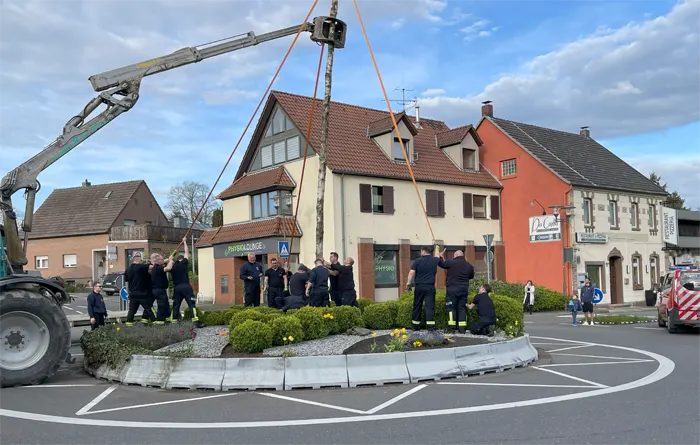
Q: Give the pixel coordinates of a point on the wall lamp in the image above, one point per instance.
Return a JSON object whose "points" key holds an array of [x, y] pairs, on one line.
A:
{"points": [[532, 203]]}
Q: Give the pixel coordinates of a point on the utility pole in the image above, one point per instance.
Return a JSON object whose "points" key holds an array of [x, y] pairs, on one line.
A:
{"points": [[321, 190]]}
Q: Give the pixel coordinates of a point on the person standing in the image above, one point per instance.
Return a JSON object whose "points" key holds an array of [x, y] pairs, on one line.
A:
{"points": [[159, 289], [486, 311], [345, 281], [459, 272], [250, 274], [336, 294], [138, 285], [587, 297], [424, 273], [182, 290], [297, 289], [574, 307], [97, 310], [275, 283], [529, 300], [317, 286]]}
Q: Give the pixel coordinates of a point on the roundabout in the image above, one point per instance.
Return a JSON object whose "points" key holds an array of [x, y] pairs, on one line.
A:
{"points": [[567, 370]]}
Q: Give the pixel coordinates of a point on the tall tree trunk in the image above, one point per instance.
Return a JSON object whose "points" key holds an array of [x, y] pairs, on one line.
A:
{"points": [[321, 191]]}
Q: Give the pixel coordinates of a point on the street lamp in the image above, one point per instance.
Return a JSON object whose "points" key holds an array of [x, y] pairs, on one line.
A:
{"points": [[562, 221], [532, 203]]}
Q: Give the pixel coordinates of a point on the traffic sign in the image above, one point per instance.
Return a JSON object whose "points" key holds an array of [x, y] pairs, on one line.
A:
{"points": [[488, 257], [283, 249], [597, 295], [124, 294], [488, 239]]}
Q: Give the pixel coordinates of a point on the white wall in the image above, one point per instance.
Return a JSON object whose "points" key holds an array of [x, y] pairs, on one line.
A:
{"points": [[205, 267]]}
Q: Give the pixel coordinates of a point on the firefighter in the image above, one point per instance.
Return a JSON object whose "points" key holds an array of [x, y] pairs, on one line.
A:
{"points": [[182, 290], [423, 274], [275, 283], [159, 289], [486, 311], [459, 272], [345, 281], [251, 272], [317, 287], [96, 307], [336, 293], [138, 283]]}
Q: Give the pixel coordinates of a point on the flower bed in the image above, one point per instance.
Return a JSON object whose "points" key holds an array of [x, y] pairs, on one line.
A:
{"points": [[410, 341]]}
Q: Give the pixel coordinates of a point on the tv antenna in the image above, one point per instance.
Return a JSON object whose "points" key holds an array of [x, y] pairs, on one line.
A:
{"points": [[403, 102]]}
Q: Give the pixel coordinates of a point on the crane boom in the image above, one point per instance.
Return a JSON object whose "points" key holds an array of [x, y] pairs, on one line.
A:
{"points": [[119, 90]]}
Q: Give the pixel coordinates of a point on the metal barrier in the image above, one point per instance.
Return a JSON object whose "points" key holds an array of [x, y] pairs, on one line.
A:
{"points": [[253, 373], [197, 373], [377, 369], [316, 372], [434, 364], [148, 370]]}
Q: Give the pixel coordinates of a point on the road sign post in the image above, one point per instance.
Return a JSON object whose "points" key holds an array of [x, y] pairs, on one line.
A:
{"points": [[283, 249], [488, 257], [124, 298], [597, 295]]}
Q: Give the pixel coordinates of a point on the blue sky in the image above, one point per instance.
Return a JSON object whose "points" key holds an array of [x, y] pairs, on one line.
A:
{"points": [[629, 70]]}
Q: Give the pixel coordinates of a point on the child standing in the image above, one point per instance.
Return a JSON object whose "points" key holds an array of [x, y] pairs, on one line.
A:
{"points": [[574, 307]]}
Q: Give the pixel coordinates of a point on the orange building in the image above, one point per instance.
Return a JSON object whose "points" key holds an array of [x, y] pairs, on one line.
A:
{"points": [[606, 226]]}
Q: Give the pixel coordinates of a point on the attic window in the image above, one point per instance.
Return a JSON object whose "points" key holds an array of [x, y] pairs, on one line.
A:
{"points": [[108, 194], [398, 152]]}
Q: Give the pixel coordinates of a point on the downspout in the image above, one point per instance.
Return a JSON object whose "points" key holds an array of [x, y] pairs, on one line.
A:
{"points": [[569, 275], [342, 214]]}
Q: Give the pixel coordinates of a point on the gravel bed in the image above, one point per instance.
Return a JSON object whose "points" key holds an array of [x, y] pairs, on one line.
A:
{"points": [[336, 344], [207, 344]]}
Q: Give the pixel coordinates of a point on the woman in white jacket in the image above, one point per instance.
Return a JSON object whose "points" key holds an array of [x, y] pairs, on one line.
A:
{"points": [[529, 300]]}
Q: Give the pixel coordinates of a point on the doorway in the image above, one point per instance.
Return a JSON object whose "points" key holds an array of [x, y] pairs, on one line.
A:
{"points": [[615, 265], [99, 264]]}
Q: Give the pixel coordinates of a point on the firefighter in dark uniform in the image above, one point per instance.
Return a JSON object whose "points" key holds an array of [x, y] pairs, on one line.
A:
{"points": [[336, 293], [345, 281], [275, 282], [250, 274], [182, 289], [317, 287], [459, 272], [424, 273], [138, 285], [159, 283]]}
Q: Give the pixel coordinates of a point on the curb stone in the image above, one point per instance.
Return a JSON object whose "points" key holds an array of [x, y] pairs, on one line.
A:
{"points": [[224, 374]]}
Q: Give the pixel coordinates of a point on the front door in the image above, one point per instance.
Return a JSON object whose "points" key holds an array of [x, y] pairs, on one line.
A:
{"points": [[616, 280]]}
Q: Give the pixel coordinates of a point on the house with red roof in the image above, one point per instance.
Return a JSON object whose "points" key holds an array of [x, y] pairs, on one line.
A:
{"points": [[372, 212]]}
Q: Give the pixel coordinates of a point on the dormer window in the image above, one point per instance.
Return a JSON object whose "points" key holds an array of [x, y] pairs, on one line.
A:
{"points": [[279, 124], [398, 152], [468, 159]]}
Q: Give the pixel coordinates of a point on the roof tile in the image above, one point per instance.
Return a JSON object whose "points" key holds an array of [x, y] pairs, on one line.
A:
{"points": [[452, 137], [386, 125], [247, 230], [259, 180]]}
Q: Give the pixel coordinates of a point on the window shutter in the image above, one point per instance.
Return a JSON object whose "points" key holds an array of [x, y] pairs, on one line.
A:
{"points": [[468, 210], [266, 155], [495, 207], [388, 199], [431, 207], [293, 148], [441, 202], [279, 150], [365, 198]]}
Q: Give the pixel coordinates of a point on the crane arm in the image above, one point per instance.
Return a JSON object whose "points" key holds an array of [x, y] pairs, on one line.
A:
{"points": [[119, 91]]}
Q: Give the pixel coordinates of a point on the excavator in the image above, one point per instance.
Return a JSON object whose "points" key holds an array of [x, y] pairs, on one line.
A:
{"points": [[34, 330]]}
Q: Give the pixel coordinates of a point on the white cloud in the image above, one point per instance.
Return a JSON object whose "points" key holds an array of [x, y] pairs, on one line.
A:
{"points": [[433, 92], [478, 28], [679, 173], [656, 64]]}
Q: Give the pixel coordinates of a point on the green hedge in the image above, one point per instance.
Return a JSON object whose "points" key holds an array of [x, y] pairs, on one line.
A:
{"points": [[312, 321], [243, 316], [378, 316], [545, 299], [284, 327], [364, 302], [251, 336]]}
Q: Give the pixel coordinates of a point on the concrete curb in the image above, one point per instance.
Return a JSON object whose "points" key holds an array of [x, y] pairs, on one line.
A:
{"points": [[225, 374]]}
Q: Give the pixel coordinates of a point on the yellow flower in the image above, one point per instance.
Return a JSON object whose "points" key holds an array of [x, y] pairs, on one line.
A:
{"points": [[391, 334], [374, 334], [403, 330], [331, 317], [404, 337], [119, 329], [291, 338], [284, 338], [516, 322]]}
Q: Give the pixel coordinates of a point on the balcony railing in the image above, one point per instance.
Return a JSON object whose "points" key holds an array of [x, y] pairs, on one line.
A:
{"points": [[141, 232]]}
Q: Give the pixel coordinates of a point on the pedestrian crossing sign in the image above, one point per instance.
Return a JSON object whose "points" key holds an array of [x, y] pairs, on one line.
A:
{"points": [[283, 249]]}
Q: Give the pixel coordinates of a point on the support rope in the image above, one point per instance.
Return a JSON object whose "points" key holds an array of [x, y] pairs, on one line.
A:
{"points": [[306, 151], [393, 119], [250, 121]]}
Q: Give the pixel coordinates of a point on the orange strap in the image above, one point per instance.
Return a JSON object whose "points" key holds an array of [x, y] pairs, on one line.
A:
{"points": [[250, 121], [393, 119]]}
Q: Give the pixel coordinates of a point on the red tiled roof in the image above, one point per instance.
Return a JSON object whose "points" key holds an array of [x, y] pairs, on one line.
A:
{"points": [[350, 150], [259, 180], [386, 125], [247, 230], [456, 136]]}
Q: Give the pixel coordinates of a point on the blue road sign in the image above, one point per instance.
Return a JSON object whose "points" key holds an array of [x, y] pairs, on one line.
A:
{"points": [[124, 294], [283, 249], [597, 295]]}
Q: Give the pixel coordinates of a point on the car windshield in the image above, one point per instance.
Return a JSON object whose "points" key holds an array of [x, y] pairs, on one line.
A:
{"points": [[690, 277], [111, 277]]}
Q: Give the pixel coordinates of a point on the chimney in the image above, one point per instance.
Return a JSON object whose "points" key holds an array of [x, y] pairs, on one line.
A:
{"points": [[585, 132], [417, 116], [487, 108], [86, 183]]}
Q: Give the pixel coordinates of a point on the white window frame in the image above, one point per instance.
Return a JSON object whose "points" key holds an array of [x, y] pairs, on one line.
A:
{"points": [[129, 222], [70, 265], [587, 211], [612, 213], [634, 210], [509, 167], [40, 259], [486, 210], [637, 278], [397, 153]]}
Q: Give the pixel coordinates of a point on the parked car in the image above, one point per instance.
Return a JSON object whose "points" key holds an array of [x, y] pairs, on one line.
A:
{"points": [[679, 304], [58, 280], [113, 282]]}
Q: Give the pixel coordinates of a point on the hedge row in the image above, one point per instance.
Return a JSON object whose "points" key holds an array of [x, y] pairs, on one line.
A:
{"points": [[545, 299]]}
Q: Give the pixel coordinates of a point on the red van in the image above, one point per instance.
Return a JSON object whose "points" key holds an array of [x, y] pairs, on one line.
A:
{"points": [[680, 299]]}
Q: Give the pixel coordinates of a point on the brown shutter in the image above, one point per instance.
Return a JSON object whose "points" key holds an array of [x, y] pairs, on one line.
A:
{"points": [[388, 199], [431, 205], [495, 207], [441, 202], [365, 198], [468, 209]]}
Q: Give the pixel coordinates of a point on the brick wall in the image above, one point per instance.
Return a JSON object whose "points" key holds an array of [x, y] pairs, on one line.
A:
{"points": [[55, 248], [225, 266]]}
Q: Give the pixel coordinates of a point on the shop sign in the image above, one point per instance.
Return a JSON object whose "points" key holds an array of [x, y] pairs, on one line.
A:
{"points": [[591, 238], [257, 247], [669, 221], [544, 228]]}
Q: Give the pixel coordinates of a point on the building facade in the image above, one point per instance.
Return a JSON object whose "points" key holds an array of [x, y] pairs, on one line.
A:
{"points": [[572, 209], [371, 209], [681, 236]]}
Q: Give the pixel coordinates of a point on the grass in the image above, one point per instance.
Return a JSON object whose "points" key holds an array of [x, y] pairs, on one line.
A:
{"points": [[619, 319]]}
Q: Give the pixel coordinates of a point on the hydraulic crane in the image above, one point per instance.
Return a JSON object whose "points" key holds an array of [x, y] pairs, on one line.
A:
{"points": [[31, 306]]}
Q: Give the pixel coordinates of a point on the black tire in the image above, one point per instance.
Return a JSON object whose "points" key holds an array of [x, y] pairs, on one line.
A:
{"points": [[110, 293], [19, 300], [672, 329]]}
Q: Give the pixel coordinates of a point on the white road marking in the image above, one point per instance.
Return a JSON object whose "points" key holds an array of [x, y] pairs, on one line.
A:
{"points": [[68, 307], [61, 386], [552, 344], [155, 404], [651, 329], [594, 356], [594, 363], [571, 377], [84, 307], [665, 368], [570, 347], [524, 385], [396, 399], [77, 311], [309, 402], [96, 400]]}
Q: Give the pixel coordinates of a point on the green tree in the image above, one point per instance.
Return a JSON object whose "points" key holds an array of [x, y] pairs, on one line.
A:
{"points": [[217, 218], [674, 200]]}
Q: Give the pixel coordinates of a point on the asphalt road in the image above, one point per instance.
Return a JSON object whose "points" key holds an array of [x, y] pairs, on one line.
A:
{"points": [[624, 384]]}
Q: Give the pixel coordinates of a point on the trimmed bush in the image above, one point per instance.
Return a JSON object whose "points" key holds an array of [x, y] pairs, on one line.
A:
{"points": [[545, 299], [229, 313], [269, 318], [312, 322], [378, 316], [251, 336], [364, 302], [404, 313], [266, 310], [248, 314], [393, 310], [330, 321], [213, 318], [347, 317], [284, 327]]}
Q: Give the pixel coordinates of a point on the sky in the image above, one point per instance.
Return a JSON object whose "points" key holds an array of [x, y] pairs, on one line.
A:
{"points": [[628, 70]]}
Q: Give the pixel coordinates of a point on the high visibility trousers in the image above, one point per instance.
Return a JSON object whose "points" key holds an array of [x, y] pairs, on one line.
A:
{"points": [[161, 298], [456, 306], [183, 292], [424, 293]]}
